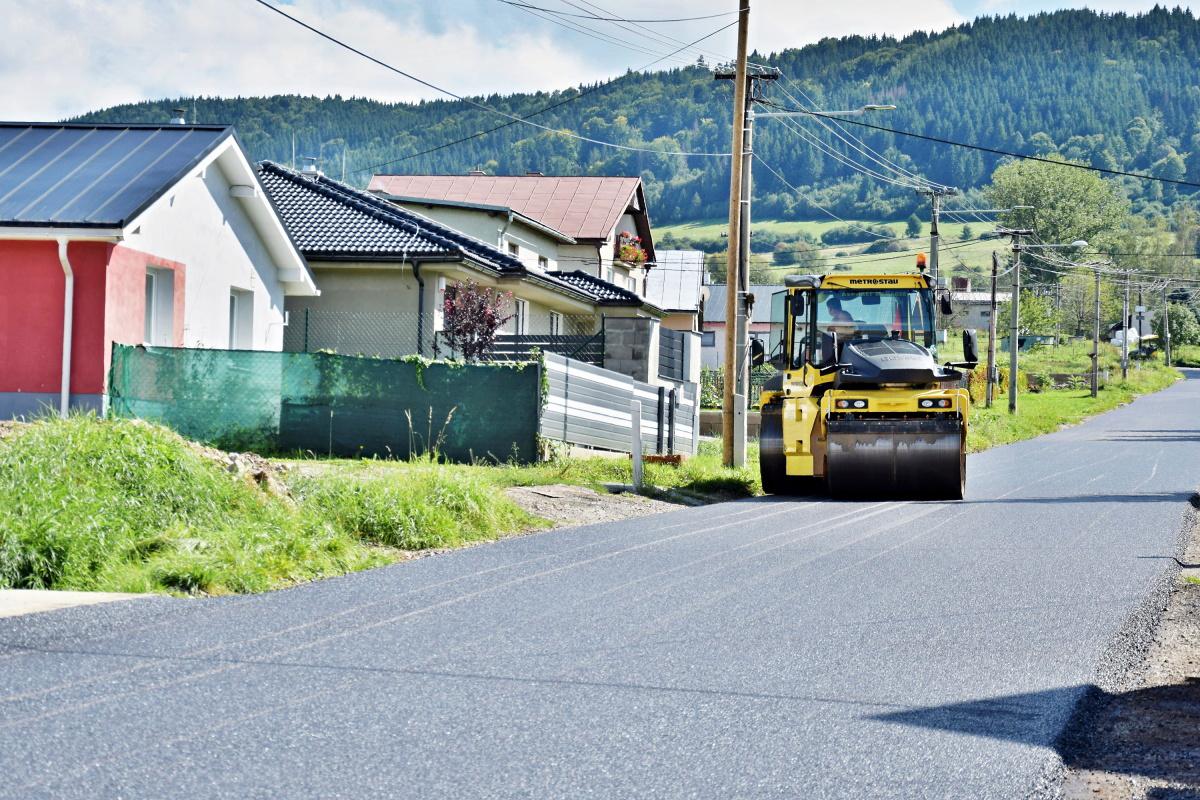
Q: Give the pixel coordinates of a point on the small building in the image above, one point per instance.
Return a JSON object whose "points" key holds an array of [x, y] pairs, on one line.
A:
{"points": [[676, 285], [598, 225], [973, 309], [384, 268], [712, 344], [135, 234]]}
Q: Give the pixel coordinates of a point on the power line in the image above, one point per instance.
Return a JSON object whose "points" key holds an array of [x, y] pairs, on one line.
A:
{"points": [[995, 151], [618, 19], [542, 110], [469, 101]]}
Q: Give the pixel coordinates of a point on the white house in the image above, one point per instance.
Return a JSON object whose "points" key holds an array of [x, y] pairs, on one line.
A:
{"points": [[134, 234]]}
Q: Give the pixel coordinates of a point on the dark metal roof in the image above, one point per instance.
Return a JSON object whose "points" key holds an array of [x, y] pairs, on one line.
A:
{"points": [[605, 293], [91, 175], [329, 219]]}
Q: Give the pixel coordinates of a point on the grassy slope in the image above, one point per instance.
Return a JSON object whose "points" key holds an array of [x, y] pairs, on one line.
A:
{"points": [[974, 254], [124, 506]]}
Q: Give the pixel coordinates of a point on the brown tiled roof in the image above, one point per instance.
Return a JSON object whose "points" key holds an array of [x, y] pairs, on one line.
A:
{"points": [[580, 207]]}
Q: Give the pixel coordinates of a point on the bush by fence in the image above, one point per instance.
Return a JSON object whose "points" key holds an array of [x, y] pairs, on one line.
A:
{"points": [[331, 404]]}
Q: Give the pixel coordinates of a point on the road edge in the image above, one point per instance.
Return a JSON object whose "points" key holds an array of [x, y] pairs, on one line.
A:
{"points": [[1122, 661]]}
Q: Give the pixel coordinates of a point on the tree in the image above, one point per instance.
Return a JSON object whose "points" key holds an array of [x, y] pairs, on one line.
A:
{"points": [[912, 227], [968, 233], [1068, 203], [471, 316], [1185, 329], [1038, 315], [1076, 295]]}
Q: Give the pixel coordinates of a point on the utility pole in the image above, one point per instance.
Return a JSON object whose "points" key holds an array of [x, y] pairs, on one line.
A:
{"points": [[733, 407], [991, 357], [935, 197], [1125, 331], [737, 282], [1096, 341], [1167, 322], [1014, 343]]}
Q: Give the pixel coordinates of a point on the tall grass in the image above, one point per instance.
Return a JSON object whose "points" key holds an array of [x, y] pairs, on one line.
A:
{"points": [[117, 505]]}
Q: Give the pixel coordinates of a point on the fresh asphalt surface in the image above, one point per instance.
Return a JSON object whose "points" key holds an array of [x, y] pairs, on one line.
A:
{"points": [[762, 648]]}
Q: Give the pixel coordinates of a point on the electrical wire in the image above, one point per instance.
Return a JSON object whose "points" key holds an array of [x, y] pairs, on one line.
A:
{"points": [[542, 110], [620, 19], [996, 151], [477, 104]]}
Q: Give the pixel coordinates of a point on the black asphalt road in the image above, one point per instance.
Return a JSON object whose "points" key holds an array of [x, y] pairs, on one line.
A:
{"points": [[755, 649]]}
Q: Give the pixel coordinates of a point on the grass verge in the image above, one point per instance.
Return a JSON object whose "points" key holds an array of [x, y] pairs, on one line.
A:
{"points": [[116, 505]]}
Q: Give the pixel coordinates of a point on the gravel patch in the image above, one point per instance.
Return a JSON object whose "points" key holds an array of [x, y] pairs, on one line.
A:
{"points": [[568, 506], [1138, 735]]}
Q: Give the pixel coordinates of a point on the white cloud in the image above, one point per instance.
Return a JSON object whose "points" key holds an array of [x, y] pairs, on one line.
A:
{"points": [[78, 55], [778, 24]]}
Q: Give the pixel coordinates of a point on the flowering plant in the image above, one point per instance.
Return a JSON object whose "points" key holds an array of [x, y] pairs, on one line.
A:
{"points": [[629, 248]]}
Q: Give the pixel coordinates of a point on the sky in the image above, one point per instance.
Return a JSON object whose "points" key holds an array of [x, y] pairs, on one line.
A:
{"points": [[65, 57]]}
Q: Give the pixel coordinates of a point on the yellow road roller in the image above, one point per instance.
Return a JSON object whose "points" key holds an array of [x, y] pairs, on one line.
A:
{"points": [[860, 402]]}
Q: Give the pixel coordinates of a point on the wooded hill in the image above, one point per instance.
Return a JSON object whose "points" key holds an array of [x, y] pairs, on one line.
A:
{"points": [[1114, 90]]}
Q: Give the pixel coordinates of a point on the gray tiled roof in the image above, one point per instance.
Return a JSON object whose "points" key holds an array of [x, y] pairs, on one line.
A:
{"points": [[329, 219], [714, 307], [604, 292], [94, 176], [673, 283]]}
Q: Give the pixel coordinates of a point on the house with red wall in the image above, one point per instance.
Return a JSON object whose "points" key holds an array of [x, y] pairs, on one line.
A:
{"points": [[159, 235]]}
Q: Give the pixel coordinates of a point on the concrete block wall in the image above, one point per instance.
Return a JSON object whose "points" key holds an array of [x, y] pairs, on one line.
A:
{"points": [[631, 347]]}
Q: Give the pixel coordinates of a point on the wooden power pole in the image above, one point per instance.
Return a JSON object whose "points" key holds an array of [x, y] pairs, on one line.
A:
{"points": [[991, 357], [733, 406]]}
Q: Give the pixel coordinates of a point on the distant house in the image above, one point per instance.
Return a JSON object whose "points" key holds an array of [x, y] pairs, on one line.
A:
{"points": [[597, 225], [676, 285], [138, 234], [712, 344], [383, 270], [973, 309]]}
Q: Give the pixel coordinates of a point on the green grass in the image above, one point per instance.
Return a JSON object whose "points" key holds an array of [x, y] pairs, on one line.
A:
{"points": [[701, 474], [975, 254], [1045, 412], [116, 505], [1187, 355]]}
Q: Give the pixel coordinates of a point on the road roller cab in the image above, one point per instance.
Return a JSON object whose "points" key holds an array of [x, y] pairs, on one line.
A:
{"points": [[860, 402]]}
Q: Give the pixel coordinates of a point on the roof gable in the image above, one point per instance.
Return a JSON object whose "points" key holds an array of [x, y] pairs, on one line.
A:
{"points": [[583, 207], [94, 176]]}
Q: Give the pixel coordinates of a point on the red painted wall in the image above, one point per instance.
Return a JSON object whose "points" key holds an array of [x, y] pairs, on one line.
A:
{"points": [[109, 306], [125, 298], [31, 316]]}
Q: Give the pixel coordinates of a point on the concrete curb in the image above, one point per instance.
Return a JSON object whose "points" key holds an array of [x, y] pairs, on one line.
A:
{"points": [[18, 602]]}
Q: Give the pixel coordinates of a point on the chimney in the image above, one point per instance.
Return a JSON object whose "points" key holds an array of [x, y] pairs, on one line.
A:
{"points": [[179, 118], [477, 173], [310, 166]]}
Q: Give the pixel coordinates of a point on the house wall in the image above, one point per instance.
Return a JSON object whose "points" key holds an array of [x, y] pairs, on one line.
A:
{"points": [[714, 357], [201, 225], [31, 323], [487, 225], [125, 298], [363, 308]]}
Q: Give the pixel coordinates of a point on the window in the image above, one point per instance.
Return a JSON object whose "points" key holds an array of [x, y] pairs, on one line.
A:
{"points": [[708, 339], [556, 323], [241, 319], [158, 326], [543, 262], [514, 249], [520, 317]]}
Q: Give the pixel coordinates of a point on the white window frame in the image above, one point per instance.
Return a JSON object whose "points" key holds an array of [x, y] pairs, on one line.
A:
{"points": [[543, 262], [520, 317], [514, 249], [241, 319], [158, 327], [556, 323]]}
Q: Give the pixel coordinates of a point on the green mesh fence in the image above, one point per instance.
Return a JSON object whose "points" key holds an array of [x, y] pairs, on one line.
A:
{"points": [[331, 404]]}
